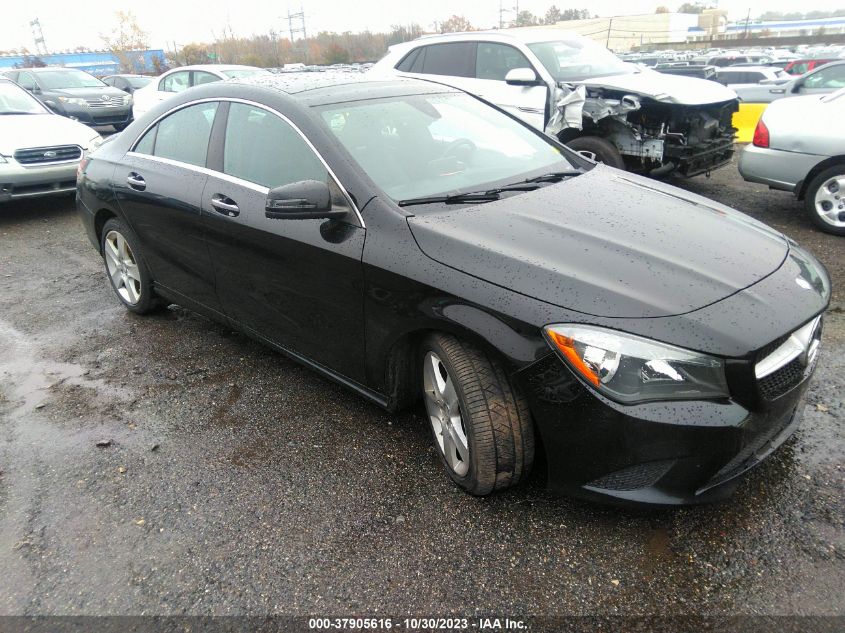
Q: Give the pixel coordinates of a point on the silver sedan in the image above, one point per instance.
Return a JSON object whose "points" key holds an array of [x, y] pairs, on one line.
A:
{"points": [[799, 146]]}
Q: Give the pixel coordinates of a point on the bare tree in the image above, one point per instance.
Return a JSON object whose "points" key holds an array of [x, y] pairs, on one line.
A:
{"points": [[455, 24], [127, 37]]}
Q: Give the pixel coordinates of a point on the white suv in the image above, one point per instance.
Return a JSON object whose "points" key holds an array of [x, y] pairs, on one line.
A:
{"points": [[581, 93]]}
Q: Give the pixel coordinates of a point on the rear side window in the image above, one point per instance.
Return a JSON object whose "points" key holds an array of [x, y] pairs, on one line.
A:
{"points": [[262, 148], [181, 136], [455, 59], [494, 61], [201, 77]]}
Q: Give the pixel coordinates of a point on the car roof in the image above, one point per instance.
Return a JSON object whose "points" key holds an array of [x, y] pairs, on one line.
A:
{"points": [[49, 69], [321, 88], [525, 35], [745, 69], [217, 67]]}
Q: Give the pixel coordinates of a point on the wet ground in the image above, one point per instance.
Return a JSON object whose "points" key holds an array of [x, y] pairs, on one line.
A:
{"points": [[237, 482]]}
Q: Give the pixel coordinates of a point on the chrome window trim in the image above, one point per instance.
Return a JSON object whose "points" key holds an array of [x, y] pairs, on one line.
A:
{"points": [[234, 179], [799, 342]]}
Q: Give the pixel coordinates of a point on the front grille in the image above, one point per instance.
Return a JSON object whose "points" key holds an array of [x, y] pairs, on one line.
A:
{"points": [[41, 155], [771, 347], [779, 382], [113, 102], [634, 477]]}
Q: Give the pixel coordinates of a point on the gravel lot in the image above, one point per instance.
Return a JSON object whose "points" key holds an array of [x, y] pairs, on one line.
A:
{"points": [[238, 482]]}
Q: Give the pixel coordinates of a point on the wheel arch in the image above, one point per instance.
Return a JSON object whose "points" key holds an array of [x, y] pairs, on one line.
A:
{"points": [[503, 341], [801, 189], [100, 218]]}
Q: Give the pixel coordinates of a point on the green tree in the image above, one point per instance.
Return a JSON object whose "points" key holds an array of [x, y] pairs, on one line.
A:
{"points": [[526, 18], [553, 15], [662, 10]]}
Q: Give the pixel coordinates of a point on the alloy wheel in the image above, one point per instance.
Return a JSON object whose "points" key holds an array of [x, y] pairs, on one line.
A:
{"points": [[122, 267], [830, 201], [444, 412]]}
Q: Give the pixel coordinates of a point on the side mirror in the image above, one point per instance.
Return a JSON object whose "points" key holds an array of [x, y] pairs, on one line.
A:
{"points": [[303, 200], [796, 87], [521, 77], [35, 90]]}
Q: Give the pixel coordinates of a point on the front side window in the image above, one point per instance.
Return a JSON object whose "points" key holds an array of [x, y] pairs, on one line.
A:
{"points": [[177, 82], [181, 136], [262, 148], [423, 145], [830, 78], [573, 60], [26, 80], [494, 61]]}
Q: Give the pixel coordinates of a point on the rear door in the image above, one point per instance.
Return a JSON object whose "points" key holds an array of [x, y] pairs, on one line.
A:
{"points": [[296, 283], [159, 186]]}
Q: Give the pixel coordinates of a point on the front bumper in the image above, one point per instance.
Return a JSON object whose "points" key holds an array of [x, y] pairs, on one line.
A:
{"points": [[109, 115], [776, 168], [692, 160], [666, 453], [27, 181]]}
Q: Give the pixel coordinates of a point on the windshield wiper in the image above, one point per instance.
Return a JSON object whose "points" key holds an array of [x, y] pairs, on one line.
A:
{"points": [[457, 198], [555, 176]]}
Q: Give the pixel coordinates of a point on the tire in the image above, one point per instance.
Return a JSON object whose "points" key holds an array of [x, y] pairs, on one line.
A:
{"points": [[126, 269], [604, 151], [824, 200], [491, 442]]}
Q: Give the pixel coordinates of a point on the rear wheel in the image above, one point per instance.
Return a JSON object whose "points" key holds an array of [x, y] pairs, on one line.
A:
{"points": [[481, 425], [604, 151], [128, 274], [825, 200]]}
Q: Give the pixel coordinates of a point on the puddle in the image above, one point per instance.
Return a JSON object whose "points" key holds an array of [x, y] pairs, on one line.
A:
{"points": [[27, 379]]}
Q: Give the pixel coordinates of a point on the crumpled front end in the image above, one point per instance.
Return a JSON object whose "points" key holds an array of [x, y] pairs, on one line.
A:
{"points": [[654, 136]]}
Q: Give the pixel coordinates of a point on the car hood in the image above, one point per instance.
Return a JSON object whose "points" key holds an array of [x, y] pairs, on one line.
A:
{"points": [[664, 87], [606, 244], [18, 131], [86, 93]]}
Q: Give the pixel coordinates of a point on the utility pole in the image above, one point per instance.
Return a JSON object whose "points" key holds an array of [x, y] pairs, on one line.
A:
{"points": [[747, 19], [609, 29], [38, 36], [299, 29]]}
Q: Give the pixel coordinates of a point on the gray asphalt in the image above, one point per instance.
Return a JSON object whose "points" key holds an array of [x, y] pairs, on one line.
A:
{"points": [[237, 482]]}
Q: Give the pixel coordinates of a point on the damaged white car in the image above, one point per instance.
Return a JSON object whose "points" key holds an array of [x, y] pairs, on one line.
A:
{"points": [[578, 91]]}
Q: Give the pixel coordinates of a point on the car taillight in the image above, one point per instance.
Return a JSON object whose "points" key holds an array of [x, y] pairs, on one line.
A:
{"points": [[82, 165], [761, 135]]}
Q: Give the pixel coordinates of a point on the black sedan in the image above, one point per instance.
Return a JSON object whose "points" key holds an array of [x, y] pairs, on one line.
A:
{"points": [[412, 242]]}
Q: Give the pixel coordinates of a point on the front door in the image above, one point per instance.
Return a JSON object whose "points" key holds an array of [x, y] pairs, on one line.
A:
{"points": [[296, 283]]}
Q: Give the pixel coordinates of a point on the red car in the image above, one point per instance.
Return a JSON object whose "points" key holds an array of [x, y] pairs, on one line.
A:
{"points": [[800, 66]]}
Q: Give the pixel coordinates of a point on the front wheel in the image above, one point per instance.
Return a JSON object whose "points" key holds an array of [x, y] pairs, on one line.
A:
{"points": [[603, 150], [127, 272], [825, 200], [481, 424], [119, 127]]}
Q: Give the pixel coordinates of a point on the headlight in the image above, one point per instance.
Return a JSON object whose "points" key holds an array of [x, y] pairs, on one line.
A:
{"points": [[632, 369], [73, 101]]}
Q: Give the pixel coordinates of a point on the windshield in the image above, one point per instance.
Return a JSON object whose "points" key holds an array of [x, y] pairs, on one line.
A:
{"points": [[244, 72], [58, 79], [575, 60], [15, 100], [138, 82], [422, 145]]}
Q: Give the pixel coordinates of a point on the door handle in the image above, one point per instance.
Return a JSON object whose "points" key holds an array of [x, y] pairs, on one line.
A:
{"points": [[225, 205], [136, 181]]}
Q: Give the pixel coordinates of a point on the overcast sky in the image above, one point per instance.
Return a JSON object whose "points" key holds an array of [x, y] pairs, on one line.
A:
{"points": [[80, 22]]}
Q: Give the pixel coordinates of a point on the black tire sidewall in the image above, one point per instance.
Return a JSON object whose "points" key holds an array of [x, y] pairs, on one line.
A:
{"points": [[148, 300], [810, 199], [464, 481], [605, 151]]}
